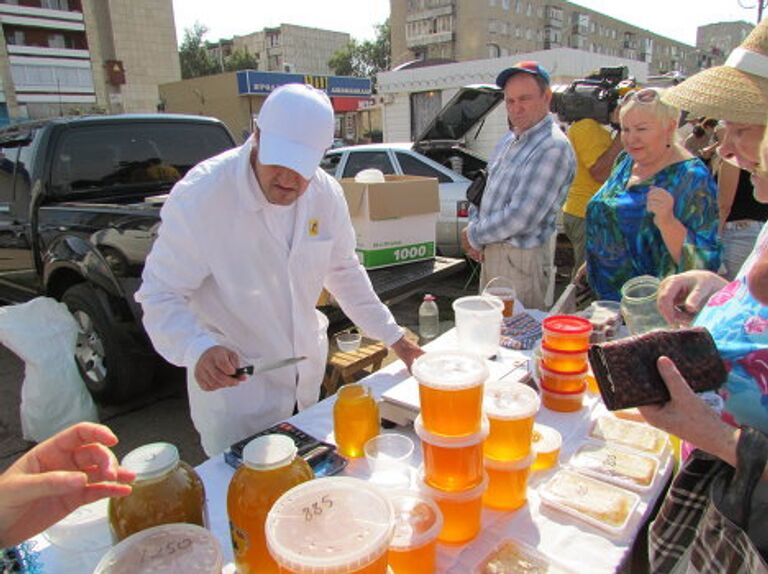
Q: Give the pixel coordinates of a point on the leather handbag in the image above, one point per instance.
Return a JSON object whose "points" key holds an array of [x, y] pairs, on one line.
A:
{"points": [[626, 372], [477, 188]]}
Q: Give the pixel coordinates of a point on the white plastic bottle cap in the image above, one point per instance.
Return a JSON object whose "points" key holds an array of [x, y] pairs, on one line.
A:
{"points": [[269, 451], [370, 175], [151, 460]]}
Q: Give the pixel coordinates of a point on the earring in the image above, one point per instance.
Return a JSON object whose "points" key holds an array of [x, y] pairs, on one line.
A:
{"points": [[669, 144]]}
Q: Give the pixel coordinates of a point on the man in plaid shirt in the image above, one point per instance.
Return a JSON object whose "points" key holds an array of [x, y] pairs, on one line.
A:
{"points": [[528, 177]]}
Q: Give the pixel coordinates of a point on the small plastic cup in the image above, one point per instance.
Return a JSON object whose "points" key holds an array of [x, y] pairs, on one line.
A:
{"points": [[566, 332], [452, 463], [173, 547], [511, 409], [563, 381], [507, 483], [418, 521], [348, 342], [565, 361], [546, 444], [335, 525], [565, 402], [451, 391], [462, 511], [388, 456]]}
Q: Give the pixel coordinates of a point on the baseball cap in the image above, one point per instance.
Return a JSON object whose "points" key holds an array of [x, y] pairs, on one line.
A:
{"points": [[527, 67], [296, 126]]}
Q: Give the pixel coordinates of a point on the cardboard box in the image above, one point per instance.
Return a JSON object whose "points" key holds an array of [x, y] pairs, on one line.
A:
{"points": [[394, 221]]}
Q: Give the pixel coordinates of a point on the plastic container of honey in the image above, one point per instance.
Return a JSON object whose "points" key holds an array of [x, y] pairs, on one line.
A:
{"points": [[418, 521], [335, 525], [451, 391], [270, 467], [507, 483], [563, 402], [166, 490], [452, 463], [355, 419], [563, 361], [545, 444], [566, 333], [462, 511], [168, 548], [563, 381], [511, 409]]}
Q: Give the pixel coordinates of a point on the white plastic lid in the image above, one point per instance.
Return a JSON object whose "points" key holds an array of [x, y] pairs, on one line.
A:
{"points": [[510, 401], [269, 451], [509, 465], [452, 496], [545, 439], [151, 460], [450, 370], [168, 548], [84, 529], [370, 175], [329, 526], [451, 441], [418, 520]]}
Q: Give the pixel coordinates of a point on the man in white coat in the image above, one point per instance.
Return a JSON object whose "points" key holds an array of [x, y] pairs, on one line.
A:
{"points": [[247, 242]]}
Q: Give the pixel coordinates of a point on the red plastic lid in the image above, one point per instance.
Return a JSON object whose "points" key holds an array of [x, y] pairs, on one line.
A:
{"points": [[554, 392], [567, 325], [571, 353], [559, 373]]}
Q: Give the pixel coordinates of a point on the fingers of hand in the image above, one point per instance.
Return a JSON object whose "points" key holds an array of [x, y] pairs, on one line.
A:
{"points": [[676, 384], [97, 461]]}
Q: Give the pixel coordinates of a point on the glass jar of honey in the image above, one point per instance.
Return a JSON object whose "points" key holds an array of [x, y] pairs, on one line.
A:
{"points": [[270, 467], [355, 419], [166, 490]]}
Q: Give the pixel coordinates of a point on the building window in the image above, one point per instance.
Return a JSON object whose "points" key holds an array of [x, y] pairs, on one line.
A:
{"points": [[55, 4], [518, 6], [505, 4], [494, 51], [15, 37]]}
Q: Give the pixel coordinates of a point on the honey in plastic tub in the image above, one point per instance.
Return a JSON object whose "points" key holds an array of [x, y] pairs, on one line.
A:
{"points": [[270, 467], [563, 381], [545, 444], [566, 333], [168, 548], [166, 490], [511, 409], [563, 402], [452, 463], [507, 483], [563, 361], [450, 391], [355, 419], [418, 521], [630, 434], [335, 525], [462, 511]]}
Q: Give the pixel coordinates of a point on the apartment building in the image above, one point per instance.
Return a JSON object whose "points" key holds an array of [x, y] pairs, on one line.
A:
{"points": [[59, 57], [476, 29], [715, 41], [293, 49]]}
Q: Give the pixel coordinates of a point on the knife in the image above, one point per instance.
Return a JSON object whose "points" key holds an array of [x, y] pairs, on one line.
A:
{"points": [[264, 366]]}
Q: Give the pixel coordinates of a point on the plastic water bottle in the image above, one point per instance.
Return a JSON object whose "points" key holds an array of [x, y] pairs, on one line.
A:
{"points": [[429, 318]]}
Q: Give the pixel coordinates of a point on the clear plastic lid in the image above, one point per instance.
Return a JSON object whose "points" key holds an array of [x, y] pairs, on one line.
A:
{"points": [[418, 520], [329, 526], [269, 451], [623, 467], [450, 370], [151, 460], [510, 401], [169, 548], [554, 373], [509, 465], [450, 441], [545, 439], [567, 325], [85, 528], [565, 394], [636, 435], [452, 496]]}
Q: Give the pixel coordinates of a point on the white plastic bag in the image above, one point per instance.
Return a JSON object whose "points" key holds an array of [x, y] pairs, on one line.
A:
{"points": [[43, 333]]}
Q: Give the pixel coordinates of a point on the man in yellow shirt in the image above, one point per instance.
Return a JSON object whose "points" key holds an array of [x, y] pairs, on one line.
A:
{"points": [[596, 149]]}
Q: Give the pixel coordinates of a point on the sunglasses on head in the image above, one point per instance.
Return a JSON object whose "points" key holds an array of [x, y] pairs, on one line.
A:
{"points": [[644, 96]]}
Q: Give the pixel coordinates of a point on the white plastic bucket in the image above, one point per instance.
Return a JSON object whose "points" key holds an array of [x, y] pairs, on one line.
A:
{"points": [[478, 324]]}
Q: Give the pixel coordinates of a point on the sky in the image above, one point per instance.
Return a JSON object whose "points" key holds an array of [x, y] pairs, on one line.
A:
{"points": [[676, 19]]}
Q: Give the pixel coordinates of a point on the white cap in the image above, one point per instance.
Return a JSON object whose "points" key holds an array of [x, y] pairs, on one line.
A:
{"points": [[296, 126], [269, 451]]}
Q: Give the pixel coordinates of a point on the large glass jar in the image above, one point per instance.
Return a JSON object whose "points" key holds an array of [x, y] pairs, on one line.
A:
{"points": [[638, 305], [270, 467], [355, 419], [166, 490]]}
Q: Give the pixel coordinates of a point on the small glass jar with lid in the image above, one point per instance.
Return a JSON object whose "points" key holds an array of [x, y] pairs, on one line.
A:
{"points": [[166, 490]]}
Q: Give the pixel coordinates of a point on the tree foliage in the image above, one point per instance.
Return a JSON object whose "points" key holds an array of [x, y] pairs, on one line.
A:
{"points": [[364, 59], [195, 59], [241, 60]]}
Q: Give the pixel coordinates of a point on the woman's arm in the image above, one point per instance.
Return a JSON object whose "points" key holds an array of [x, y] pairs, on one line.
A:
{"points": [[673, 232]]}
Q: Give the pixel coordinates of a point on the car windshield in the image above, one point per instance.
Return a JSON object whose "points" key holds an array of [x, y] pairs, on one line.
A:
{"points": [[124, 155]]}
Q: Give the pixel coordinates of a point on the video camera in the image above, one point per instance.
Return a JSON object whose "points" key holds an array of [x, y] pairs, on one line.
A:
{"points": [[594, 97]]}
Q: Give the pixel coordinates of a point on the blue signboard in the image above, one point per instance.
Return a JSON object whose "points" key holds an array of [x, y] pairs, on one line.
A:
{"points": [[251, 82]]}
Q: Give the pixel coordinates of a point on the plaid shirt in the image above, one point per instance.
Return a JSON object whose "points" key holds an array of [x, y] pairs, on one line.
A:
{"points": [[528, 179]]}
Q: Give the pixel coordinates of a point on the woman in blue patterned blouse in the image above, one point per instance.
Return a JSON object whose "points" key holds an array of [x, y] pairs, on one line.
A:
{"points": [[657, 213]]}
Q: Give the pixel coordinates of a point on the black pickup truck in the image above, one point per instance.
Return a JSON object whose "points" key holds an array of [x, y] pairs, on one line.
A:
{"points": [[79, 210]]}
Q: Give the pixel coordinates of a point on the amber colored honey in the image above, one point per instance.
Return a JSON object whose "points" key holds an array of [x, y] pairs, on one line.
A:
{"points": [[453, 469], [507, 488], [378, 566], [574, 342], [561, 382], [461, 519], [509, 439], [250, 496], [451, 412], [355, 419], [176, 496], [563, 403], [592, 384], [420, 560], [570, 362]]}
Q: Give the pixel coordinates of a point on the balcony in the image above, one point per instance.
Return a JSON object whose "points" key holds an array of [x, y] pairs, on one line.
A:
{"points": [[446, 10], [42, 52], [428, 39]]}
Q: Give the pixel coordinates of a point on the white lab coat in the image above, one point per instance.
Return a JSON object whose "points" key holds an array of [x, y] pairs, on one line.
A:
{"points": [[217, 275]]}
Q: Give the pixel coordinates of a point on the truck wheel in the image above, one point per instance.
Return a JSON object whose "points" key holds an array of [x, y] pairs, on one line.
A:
{"points": [[111, 372]]}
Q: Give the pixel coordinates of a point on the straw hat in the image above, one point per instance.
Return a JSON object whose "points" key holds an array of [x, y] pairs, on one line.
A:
{"points": [[737, 91]]}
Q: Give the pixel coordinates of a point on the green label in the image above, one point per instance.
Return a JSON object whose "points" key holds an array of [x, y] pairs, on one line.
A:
{"points": [[381, 257]]}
